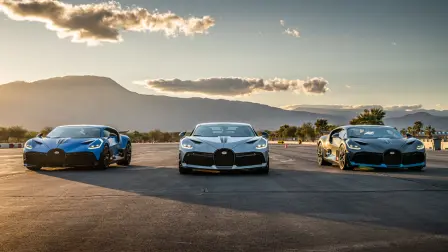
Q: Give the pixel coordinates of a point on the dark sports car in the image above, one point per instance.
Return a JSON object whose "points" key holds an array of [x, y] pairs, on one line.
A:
{"points": [[370, 146]]}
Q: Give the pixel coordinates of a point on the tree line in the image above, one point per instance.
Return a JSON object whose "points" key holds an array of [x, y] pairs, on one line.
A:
{"points": [[305, 132]]}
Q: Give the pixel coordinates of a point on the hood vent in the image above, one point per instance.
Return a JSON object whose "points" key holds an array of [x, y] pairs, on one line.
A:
{"points": [[223, 139], [195, 141], [360, 143], [410, 141]]}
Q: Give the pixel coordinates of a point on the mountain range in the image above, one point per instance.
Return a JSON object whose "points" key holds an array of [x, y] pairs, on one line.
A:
{"points": [[101, 100]]}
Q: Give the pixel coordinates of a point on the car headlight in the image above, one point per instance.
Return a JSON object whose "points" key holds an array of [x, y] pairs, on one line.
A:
{"points": [[353, 146], [420, 147], [29, 145], [263, 144], [187, 145], [96, 144]]}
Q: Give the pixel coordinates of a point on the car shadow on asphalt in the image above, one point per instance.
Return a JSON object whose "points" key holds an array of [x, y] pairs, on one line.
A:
{"points": [[353, 197]]}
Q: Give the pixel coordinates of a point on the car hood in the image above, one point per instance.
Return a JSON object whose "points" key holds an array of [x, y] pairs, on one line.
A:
{"points": [[386, 143], [225, 141], [62, 143]]}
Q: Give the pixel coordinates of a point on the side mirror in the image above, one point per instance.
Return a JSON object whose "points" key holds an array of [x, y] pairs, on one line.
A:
{"points": [[265, 135], [39, 135], [182, 134], [408, 135]]}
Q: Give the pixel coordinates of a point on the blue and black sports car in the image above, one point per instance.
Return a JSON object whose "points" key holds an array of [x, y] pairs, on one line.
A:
{"points": [[370, 146], [78, 145]]}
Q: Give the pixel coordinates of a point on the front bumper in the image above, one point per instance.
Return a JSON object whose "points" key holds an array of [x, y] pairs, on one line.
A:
{"points": [[209, 161], [383, 160], [58, 158]]}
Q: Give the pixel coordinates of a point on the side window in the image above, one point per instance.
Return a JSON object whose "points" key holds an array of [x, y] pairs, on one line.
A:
{"points": [[106, 133], [343, 134]]}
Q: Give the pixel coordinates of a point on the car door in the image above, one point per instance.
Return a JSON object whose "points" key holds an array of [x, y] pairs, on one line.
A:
{"points": [[333, 143], [113, 140]]}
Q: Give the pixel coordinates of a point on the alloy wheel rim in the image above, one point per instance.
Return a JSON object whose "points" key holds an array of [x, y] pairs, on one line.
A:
{"points": [[319, 155], [129, 154], [342, 158], [106, 159]]}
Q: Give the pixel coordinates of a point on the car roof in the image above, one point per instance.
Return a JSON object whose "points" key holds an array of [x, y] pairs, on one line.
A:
{"points": [[366, 126], [231, 123], [86, 125]]}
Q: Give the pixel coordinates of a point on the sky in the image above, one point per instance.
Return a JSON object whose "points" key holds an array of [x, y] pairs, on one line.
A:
{"points": [[279, 53]]}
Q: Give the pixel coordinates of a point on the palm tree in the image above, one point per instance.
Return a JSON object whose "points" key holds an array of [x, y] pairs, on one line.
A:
{"points": [[418, 126], [374, 116], [403, 132], [430, 131]]}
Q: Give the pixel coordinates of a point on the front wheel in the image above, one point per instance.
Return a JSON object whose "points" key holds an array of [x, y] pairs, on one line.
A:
{"points": [[104, 161], [419, 168], [343, 159], [183, 170], [34, 168]]}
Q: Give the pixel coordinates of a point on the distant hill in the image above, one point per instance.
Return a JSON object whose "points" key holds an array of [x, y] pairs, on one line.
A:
{"points": [[100, 100], [352, 112], [440, 123]]}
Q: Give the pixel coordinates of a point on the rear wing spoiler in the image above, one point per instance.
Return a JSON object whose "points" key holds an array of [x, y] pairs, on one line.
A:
{"points": [[123, 132]]}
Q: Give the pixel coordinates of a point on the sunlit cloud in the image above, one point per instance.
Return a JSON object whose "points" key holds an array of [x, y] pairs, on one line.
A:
{"points": [[235, 86], [290, 31], [102, 22]]}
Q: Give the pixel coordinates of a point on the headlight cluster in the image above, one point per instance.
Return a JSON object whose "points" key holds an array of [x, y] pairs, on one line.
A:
{"points": [[420, 147], [96, 144], [263, 144], [353, 146], [29, 145], [186, 145]]}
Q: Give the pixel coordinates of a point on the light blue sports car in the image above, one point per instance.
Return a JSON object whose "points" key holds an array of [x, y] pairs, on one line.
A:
{"points": [[224, 147], [95, 146]]}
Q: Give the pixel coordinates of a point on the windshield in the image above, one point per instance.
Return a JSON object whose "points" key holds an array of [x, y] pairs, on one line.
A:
{"points": [[75, 132], [373, 132], [232, 130]]}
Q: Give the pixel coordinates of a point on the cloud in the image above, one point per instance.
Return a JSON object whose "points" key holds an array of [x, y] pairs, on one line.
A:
{"points": [[403, 107], [235, 86], [394, 43], [101, 22], [292, 32], [348, 86]]}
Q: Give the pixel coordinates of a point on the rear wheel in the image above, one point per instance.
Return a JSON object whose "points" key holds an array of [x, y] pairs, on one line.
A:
{"points": [[104, 161], [343, 160], [320, 156], [127, 156]]}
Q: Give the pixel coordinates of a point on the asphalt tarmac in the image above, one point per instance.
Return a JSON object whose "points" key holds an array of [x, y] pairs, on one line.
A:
{"points": [[149, 206]]}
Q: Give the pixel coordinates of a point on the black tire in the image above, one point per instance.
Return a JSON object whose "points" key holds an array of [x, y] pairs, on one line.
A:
{"points": [[343, 159], [104, 161], [419, 168], [34, 168], [320, 156], [127, 156], [183, 170]]}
